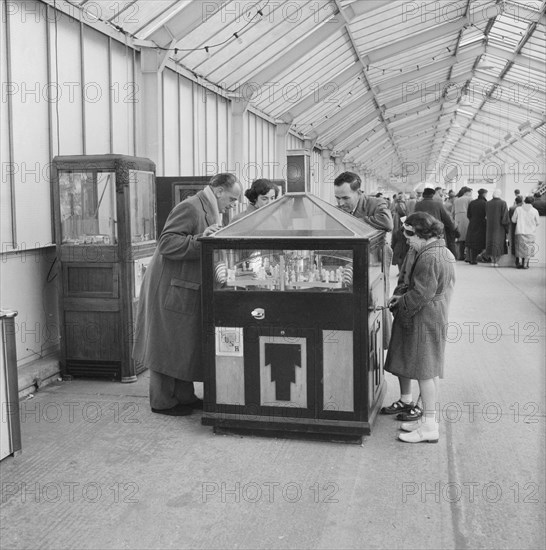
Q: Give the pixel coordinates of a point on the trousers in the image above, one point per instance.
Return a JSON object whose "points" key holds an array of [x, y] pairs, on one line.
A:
{"points": [[166, 391]]}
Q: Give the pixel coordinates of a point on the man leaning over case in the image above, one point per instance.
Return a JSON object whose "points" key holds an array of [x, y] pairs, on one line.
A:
{"points": [[168, 323]]}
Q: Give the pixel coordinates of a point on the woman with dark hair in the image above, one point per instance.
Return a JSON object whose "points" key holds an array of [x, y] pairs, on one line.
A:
{"points": [[420, 305], [260, 193], [527, 220]]}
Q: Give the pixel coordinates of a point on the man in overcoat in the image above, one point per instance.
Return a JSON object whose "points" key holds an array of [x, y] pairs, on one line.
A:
{"points": [[475, 234], [436, 208], [168, 323], [498, 225]]}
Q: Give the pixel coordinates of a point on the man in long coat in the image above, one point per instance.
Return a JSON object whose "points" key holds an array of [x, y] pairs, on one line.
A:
{"points": [[475, 234], [436, 208], [168, 323], [460, 211], [498, 225]]}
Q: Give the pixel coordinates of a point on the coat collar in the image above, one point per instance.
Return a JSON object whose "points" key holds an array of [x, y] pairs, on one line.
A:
{"points": [[440, 243], [209, 204]]}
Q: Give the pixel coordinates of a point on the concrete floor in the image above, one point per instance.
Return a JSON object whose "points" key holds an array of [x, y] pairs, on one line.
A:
{"points": [[99, 470]]}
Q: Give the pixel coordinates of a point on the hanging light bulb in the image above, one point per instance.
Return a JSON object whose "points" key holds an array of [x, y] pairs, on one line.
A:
{"points": [[239, 39], [207, 50]]}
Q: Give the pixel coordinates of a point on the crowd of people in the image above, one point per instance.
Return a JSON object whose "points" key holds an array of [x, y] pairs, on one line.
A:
{"points": [[430, 231], [476, 230]]}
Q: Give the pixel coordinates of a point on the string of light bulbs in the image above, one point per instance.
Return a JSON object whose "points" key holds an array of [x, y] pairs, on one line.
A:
{"points": [[234, 36]]}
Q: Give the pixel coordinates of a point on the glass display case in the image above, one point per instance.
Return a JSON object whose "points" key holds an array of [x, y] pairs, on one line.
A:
{"points": [[292, 301], [105, 230], [303, 270]]}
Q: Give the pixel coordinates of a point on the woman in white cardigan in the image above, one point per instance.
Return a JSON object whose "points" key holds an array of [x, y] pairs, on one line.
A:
{"points": [[527, 220]]}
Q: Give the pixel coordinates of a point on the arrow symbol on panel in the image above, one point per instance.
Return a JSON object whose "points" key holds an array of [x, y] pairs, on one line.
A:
{"points": [[283, 359]]}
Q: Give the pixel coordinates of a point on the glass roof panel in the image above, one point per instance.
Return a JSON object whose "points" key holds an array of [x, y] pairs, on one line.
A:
{"points": [[298, 215]]}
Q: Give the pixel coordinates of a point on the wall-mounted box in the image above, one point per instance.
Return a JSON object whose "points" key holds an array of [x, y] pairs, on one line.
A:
{"points": [[298, 171]]}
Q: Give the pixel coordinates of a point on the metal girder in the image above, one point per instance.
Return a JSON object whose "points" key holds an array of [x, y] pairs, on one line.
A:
{"points": [[411, 148], [362, 61], [414, 125], [185, 19], [516, 146], [510, 84], [424, 37], [358, 9], [413, 111], [468, 53], [418, 140], [436, 92], [529, 33], [518, 59]]}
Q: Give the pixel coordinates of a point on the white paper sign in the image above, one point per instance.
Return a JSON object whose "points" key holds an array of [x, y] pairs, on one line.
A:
{"points": [[229, 341]]}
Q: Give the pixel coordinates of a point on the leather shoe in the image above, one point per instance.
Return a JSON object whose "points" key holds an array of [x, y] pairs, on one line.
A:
{"points": [[413, 414], [420, 436], [197, 404], [177, 410], [397, 407]]}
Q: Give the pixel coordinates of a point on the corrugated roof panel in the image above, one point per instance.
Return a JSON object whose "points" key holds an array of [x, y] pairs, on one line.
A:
{"points": [[399, 37], [340, 105], [403, 19], [535, 46], [311, 75], [140, 15], [508, 31], [264, 40], [336, 131], [525, 89]]}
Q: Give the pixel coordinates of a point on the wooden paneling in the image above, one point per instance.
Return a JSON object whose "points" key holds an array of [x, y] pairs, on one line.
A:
{"points": [[91, 280], [338, 365], [92, 335], [269, 385], [230, 380], [85, 280]]}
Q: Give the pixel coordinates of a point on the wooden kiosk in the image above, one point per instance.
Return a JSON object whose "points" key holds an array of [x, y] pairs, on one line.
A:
{"points": [[292, 321], [106, 235]]}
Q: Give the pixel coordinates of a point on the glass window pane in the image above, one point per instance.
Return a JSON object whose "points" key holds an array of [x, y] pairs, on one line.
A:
{"points": [[142, 200], [284, 270], [88, 207], [298, 215]]}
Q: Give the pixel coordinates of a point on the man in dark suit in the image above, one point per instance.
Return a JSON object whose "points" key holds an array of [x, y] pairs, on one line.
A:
{"points": [[436, 208], [168, 323]]}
